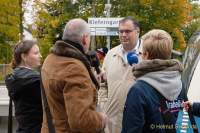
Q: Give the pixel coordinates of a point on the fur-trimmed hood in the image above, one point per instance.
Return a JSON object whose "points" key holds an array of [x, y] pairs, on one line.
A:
{"points": [[75, 50], [163, 75]]}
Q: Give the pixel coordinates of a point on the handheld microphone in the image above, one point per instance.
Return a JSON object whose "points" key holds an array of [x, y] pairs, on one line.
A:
{"points": [[132, 58]]}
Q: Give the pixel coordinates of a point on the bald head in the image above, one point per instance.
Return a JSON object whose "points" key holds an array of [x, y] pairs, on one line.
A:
{"points": [[75, 29]]}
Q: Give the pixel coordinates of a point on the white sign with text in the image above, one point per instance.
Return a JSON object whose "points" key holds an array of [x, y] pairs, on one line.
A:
{"points": [[104, 22]]}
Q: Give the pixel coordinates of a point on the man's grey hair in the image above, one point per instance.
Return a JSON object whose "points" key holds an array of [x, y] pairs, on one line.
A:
{"points": [[75, 29]]}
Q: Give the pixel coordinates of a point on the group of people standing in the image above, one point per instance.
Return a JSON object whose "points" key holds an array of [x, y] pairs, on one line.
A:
{"points": [[132, 96]]}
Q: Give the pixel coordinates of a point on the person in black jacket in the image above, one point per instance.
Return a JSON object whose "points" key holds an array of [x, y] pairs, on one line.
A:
{"points": [[23, 86], [153, 102]]}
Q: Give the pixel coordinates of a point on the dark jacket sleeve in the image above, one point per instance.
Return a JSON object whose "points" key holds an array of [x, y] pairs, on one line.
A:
{"points": [[196, 109], [133, 116]]}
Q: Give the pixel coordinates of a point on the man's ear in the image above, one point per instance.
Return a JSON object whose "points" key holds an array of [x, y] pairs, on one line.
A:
{"points": [[83, 40]]}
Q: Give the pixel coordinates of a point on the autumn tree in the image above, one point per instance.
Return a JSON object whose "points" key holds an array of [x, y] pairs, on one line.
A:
{"points": [[194, 25], [169, 15], [52, 16], [9, 28]]}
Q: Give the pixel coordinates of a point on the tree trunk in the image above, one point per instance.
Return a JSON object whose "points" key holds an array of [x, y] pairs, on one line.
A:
{"points": [[21, 15]]}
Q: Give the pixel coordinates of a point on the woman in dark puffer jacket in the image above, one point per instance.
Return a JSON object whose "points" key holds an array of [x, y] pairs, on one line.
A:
{"points": [[23, 85]]}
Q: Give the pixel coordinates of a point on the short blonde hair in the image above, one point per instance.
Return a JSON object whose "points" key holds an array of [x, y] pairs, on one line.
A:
{"points": [[158, 43]]}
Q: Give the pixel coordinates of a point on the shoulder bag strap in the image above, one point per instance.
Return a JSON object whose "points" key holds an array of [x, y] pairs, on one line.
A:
{"points": [[46, 108], [10, 117]]}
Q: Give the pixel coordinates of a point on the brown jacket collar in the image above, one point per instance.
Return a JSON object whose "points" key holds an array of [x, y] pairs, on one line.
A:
{"points": [[62, 48]]}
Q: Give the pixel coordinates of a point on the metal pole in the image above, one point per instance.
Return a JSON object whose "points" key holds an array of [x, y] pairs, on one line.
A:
{"points": [[108, 15], [93, 38]]}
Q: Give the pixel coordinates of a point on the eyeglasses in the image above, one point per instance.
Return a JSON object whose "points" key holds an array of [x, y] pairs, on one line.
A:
{"points": [[126, 31]]}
